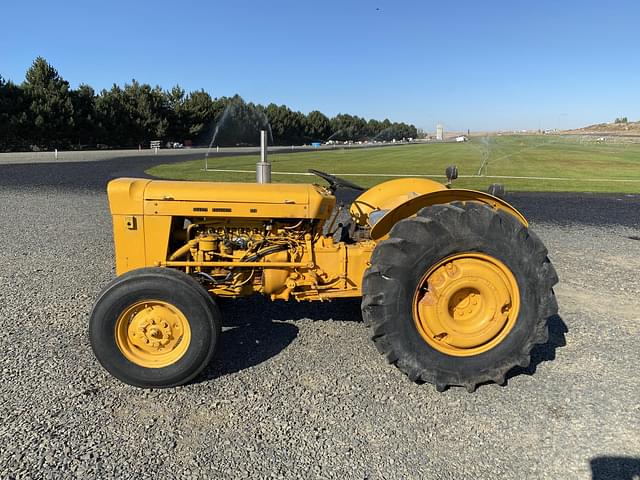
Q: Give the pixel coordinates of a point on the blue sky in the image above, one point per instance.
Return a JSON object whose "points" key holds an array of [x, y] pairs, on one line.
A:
{"points": [[479, 65]]}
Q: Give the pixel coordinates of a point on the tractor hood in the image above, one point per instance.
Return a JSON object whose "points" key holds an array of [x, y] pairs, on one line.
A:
{"points": [[132, 196]]}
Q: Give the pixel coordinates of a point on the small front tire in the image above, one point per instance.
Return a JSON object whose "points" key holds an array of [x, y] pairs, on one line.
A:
{"points": [[154, 327]]}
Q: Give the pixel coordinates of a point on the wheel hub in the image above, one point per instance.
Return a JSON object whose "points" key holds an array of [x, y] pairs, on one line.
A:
{"points": [[152, 333], [466, 304]]}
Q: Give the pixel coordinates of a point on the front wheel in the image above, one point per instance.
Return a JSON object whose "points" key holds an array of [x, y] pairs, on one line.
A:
{"points": [[154, 327], [459, 295]]}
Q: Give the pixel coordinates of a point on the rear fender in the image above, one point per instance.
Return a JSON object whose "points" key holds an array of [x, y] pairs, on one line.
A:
{"points": [[388, 195], [381, 222]]}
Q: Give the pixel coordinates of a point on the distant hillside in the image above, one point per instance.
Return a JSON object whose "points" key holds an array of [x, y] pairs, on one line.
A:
{"points": [[624, 128]]}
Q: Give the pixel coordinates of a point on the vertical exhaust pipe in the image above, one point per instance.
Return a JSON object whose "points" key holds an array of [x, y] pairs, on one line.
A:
{"points": [[263, 168]]}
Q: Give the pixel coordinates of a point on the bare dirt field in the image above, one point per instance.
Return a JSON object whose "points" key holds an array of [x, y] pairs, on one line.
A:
{"points": [[299, 390]]}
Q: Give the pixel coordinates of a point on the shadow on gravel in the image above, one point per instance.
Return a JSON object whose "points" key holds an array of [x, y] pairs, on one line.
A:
{"points": [[618, 468], [259, 309], [547, 351], [256, 329]]}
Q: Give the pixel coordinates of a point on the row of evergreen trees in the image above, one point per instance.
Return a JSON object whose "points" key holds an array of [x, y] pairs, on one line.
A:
{"points": [[45, 113]]}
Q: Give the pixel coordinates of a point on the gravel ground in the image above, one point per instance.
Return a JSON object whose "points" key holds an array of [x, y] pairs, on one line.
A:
{"points": [[298, 390]]}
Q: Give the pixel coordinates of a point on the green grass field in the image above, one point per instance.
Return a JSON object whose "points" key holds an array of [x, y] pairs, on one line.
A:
{"points": [[563, 164]]}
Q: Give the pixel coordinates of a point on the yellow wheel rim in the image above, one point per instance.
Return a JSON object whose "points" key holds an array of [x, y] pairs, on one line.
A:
{"points": [[152, 333], [466, 304]]}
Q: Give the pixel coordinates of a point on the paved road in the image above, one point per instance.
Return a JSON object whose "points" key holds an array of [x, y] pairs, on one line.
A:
{"points": [[561, 208], [17, 158], [298, 390]]}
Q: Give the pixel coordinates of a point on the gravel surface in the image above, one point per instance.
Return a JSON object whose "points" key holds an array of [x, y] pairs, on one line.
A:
{"points": [[298, 390]]}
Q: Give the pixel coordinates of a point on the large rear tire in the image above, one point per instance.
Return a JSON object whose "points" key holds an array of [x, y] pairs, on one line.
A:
{"points": [[154, 327], [459, 295]]}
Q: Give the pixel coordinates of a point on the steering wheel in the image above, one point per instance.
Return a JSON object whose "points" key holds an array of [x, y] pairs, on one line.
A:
{"points": [[335, 182]]}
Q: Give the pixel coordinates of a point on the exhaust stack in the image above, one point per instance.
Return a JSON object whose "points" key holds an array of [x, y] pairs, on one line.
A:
{"points": [[263, 168]]}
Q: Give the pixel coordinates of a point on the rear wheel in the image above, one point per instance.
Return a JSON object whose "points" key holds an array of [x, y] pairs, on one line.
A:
{"points": [[154, 327], [459, 295]]}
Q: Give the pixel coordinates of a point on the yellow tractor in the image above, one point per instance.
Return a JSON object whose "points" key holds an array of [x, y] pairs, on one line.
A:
{"points": [[455, 287]]}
